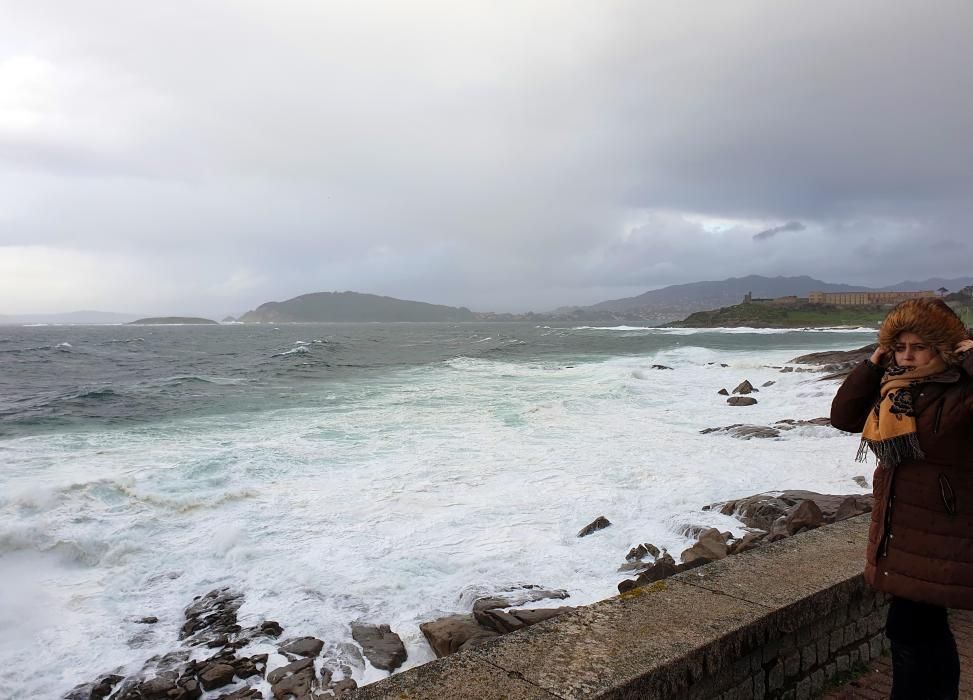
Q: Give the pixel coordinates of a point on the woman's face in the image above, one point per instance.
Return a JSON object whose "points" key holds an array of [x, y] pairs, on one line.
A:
{"points": [[912, 351]]}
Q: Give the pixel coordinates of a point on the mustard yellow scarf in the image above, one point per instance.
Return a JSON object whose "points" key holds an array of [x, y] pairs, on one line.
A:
{"points": [[890, 430]]}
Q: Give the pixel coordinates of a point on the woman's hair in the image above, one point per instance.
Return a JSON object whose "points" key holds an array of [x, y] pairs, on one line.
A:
{"points": [[929, 318]]}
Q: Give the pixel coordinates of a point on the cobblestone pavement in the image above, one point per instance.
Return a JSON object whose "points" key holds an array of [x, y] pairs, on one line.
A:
{"points": [[876, 683]]}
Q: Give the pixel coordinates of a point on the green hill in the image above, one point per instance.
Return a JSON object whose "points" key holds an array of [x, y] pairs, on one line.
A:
{"points": [[800, 315], [172, 320], [352, 306]]}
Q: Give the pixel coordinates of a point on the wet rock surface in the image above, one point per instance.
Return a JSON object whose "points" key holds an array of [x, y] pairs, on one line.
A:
{"points": [[768, 517], [489, 619], [747, 431], [382, 647], [212, 633], [599, 523], [741, 401]]}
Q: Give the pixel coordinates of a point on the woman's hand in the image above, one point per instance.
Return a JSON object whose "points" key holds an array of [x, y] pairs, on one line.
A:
{"points": [[964, 346], [876, 358]]}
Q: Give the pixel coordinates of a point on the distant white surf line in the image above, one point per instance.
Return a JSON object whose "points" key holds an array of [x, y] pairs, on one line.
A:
{"points": [[738, 330]]}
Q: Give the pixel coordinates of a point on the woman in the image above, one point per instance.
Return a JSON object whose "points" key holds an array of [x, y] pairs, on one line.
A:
{"points": [[913, 403]]}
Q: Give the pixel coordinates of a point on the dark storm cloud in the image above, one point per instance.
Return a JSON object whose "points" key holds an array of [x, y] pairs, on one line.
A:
{"points": [[771, 232], [494, 155]]}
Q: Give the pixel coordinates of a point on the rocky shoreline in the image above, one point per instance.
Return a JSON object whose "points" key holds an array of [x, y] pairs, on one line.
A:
{"points": [[214, 654]]}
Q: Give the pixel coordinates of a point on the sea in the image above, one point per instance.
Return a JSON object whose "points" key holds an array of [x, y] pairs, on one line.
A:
{"points": [[382, 473]]}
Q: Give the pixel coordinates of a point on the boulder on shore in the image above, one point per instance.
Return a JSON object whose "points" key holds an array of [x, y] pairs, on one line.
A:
{"points": [[599, 523], [744, 387], [741, 401], [382, 647]]}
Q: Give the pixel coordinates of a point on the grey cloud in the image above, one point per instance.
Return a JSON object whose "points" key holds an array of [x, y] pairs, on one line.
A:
{"points": [[771, 232], [496, 156]]}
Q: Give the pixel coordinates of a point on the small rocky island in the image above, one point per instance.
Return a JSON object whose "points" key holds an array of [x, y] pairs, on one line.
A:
{"points": [[172, 321]]}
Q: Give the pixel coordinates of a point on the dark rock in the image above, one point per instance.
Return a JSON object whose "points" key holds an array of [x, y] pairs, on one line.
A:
{"points": [[749, 541], [805, 516], [518, 596], [215, 675], [302, 646], [381, 646], [861, 481], [242, 694], [148, 620], [641, 551], [269, 628], [661, 569], [160, 686], [212, 616], [769, 382], [836, 357], [513, 620], [744, 387], [723, 392], [296, 685], [454, 633], [660, 367], [344, 687], [741, 401], [744, 431], [282, 672], [722, 364], [785, 370], [599, 523], [710, 546], [94, 691]]}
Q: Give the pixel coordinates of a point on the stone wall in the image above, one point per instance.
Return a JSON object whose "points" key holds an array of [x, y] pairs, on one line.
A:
{"points": [[780, 621]]}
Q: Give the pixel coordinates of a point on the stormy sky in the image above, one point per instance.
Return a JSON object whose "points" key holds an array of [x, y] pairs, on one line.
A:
{"points": [[207, 156]]}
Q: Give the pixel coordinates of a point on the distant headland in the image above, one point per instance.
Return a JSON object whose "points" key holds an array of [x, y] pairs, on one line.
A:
{"points": [[171, 321]]}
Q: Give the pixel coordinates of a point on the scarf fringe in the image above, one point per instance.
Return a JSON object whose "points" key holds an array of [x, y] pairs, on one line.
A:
{"points": [[893, 451]]}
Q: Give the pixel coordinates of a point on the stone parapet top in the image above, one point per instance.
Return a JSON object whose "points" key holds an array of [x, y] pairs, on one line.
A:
{"points": [[657, 640]]}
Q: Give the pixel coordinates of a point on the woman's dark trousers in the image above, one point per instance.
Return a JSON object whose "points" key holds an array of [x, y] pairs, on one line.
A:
{"points": [[925, 665]]}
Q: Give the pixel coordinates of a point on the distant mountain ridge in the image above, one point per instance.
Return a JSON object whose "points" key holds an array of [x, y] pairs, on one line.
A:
{"points": [[702, 296], [352, 306]]}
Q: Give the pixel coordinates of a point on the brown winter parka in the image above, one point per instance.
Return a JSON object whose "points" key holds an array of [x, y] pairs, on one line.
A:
{"points": [[920, 543]]}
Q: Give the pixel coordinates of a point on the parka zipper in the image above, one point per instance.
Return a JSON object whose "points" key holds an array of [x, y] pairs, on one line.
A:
{"points": [[939, 415], [883, 549]]}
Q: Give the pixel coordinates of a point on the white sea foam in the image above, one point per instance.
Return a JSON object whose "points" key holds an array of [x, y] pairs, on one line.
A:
{"points": [[397, 499]]}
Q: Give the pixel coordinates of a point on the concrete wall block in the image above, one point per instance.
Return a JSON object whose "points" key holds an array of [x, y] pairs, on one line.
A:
{"points": [[740, 669], [876, 621], [759, 681], [851, 636], [875, 647], [770, 651], [841, 616], [837, 640], [803, 637], [853, 657], [809, 657], [842, 663], [803, 689], [823, 649], [775, 677], [792, 664], [864, 652], [817, 681], [861, 629], [830, 670]]}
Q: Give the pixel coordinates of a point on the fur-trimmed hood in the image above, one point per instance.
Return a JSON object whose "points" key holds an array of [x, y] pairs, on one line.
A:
{"points": [[929, 318]]}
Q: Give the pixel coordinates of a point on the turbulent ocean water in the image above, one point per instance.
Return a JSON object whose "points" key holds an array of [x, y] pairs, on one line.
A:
{"points": [[388, 473]]}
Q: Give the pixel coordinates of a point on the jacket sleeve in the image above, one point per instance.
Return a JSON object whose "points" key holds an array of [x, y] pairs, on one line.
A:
{"points": [[856, 397]]}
